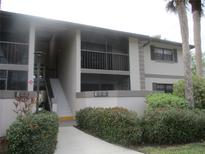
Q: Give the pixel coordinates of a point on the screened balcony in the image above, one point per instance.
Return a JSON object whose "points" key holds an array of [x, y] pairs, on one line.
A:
{"points": [[107, 52], [104, 82], [13, 80], [104, 60], [13, 53]]}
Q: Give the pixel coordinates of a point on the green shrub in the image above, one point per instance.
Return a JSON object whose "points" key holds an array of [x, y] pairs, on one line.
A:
{"points": [[198, 90], [161, 100], [33, 134], [116, 125], [173, 126], [158, 126]]}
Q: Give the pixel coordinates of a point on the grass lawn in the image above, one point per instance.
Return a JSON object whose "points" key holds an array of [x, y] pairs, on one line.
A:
{"points": [[194, 148]]}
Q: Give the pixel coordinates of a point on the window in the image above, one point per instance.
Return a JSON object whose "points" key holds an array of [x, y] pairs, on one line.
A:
{"points": [[3, 79], [167, 88], [163, 54], [12, 53], [98, 82], [13, 80]]}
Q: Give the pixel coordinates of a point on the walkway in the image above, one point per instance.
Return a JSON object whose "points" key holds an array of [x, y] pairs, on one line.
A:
{"points": [[74, 141]]}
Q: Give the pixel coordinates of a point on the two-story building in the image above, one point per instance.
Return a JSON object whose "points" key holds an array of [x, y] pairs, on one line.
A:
{"points": [[84, 65]]}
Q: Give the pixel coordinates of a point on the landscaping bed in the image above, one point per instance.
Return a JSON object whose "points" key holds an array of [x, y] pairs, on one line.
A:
{"points": [[3, 145], [115, 125], [159, 126]]}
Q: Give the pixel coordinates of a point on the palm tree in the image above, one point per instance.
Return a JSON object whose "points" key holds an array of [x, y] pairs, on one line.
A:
{"points": [[179, 6], [196, 13]]}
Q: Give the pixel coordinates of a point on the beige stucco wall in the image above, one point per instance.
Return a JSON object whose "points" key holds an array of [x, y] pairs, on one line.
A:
{"points": [[171, 71], [131, 103], [69, 66], [163, 68], [149, 81]]}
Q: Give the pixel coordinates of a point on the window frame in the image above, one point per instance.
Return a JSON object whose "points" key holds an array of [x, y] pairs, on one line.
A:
{"points": [[174, 53], [154, 87], [9, 80]]}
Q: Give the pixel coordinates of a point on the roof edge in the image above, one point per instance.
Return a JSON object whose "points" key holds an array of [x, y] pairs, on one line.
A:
{"points": [[128, 34]]}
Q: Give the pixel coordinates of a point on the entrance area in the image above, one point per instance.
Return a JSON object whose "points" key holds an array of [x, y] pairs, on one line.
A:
{"points": [[52, 42]]}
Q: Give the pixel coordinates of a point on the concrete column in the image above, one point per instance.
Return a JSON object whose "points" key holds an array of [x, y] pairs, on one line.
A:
{"points": [[31, 51], [141, 66], [134, 64], [78, 61]]}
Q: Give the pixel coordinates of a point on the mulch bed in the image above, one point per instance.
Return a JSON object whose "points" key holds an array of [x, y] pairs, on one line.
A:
{"points": [[3, 145]]}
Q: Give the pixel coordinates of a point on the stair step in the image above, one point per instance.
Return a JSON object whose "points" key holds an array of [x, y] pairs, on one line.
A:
{"points": [[63, 106]]}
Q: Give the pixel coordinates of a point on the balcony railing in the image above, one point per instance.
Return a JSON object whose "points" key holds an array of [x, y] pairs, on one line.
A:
{"points": [[104, 60], [13, 53]]}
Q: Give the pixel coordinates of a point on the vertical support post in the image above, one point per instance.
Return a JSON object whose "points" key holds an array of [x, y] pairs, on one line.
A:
{"points": [[6, 80], [31, 57], [106, 56], [78, 61], [38, 81], [134, 64]]}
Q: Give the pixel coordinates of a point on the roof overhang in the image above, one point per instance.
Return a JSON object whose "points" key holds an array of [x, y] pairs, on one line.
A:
{"points": [[90, 28]]}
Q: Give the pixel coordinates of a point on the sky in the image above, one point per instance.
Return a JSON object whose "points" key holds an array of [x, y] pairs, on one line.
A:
{"points": [[147, 17]]}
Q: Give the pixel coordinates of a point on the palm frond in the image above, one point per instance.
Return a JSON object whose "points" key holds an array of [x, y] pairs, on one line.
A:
{"points": [[171, 6], [197, 5]]}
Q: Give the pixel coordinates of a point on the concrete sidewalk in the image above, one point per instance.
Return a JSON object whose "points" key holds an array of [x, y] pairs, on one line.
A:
{"points": [[74, 141]]}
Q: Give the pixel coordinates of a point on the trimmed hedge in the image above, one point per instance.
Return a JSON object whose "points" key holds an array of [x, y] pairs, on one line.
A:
{"points": [[33, 134], [198, 90], [115, 125], [158, 126], [173, 126], [161, 100]]}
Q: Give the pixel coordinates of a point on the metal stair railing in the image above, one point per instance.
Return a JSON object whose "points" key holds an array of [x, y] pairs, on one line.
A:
{"points": [[49, 93]]}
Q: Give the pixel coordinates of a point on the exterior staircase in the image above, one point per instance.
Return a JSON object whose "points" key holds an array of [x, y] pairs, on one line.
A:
{"points": [[60, 103]]}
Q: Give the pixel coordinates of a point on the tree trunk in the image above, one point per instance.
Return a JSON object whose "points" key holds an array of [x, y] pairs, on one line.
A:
{"points": [[183, 21], [197, 42]]}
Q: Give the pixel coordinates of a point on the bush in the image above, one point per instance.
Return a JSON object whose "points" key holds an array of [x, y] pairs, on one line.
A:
{"points": [[161, 100], [173, 126], [33, 134], [198, 90], [116, 125], [158, 126]]}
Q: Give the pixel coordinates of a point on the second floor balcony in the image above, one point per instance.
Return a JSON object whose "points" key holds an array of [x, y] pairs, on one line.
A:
{"points": [[104, 60], [104, 51]]}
